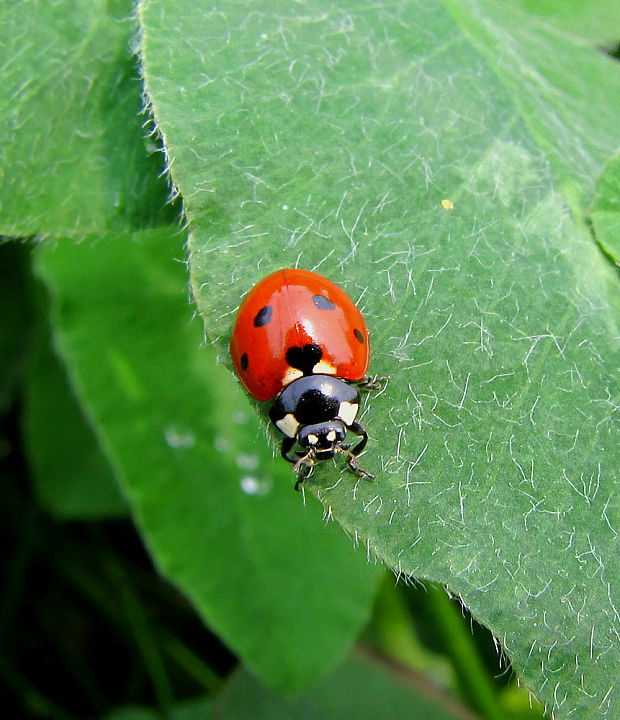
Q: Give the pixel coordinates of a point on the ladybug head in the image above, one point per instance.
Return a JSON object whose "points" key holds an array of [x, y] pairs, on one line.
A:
{"points": [[324, 438]]}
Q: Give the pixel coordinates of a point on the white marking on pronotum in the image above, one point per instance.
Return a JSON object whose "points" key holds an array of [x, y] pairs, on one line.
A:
{"points": [[313, 439], [347, 412], [290, 375], [288, 425], [331, 436], [324, 368]]}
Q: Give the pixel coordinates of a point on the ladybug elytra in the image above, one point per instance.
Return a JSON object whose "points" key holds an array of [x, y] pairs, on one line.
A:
{"points": [[299, 340]]}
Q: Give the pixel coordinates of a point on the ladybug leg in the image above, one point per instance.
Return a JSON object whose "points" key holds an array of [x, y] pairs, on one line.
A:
{"points": [[352, 458], [372, 382], [358, 429], [287, 446], [304, 467], [354, 465]]}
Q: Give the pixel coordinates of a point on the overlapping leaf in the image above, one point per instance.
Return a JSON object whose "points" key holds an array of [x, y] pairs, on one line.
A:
{"points": [[221, 519], [73, 157]]}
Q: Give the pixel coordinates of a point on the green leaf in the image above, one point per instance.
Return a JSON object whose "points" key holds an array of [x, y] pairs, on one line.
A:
{"points": [[73, 156], [360, 688], [219, 514], [72, 477], [605, 214], [564, 92], [327, 137], [597, 21]]}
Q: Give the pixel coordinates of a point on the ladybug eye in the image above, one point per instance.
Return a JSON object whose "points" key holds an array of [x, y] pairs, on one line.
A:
{"points": [[323, 303], [263, 316]]}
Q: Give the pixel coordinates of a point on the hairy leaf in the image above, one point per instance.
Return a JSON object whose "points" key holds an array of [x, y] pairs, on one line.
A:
{"points": [[73, 156], [435, 160]]}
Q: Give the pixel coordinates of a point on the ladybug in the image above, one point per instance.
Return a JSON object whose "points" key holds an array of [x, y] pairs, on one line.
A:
{"points": [[300, 341]]}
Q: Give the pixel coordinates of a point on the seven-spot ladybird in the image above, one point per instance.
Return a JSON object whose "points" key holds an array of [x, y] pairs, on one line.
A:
{"points": [[299, 338]]}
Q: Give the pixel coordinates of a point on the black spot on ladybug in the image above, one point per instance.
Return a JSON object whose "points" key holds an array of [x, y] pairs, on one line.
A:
{"points": [[359, 335], [263, 316], [244, 361], [323, 303], [304, 358]]}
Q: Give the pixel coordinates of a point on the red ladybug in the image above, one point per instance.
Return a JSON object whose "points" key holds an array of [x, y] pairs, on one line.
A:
{"points": [[298, 338]]}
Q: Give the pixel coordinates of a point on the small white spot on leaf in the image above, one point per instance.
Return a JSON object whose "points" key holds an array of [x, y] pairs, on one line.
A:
{"points": [[252, 485], [245, 461], [221, 443], [177, 438]]}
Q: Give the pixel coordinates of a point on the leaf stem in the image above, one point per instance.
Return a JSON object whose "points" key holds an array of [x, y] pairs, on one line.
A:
{"points": [[471, 674]]}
